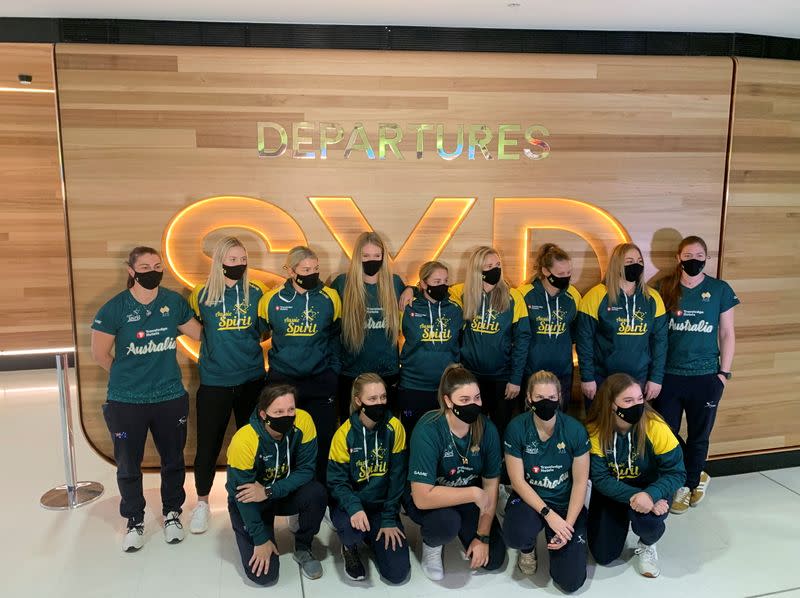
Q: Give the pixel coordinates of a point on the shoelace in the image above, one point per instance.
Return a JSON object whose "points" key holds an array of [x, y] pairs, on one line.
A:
{"points": [[173, 521], [433, 555], [648, 551], [139, 529], [683, 495]]}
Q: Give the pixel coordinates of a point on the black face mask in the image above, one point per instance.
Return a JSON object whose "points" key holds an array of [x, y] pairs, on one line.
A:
{"points": [[280, 424], [693, 267], [545, 409], [438, 292], [375, 412], [148, 280], [559, 282], [630, 415], [468, 414], [308, 282], [633, 272], [492, 276], [372, 267], [234, 272]]}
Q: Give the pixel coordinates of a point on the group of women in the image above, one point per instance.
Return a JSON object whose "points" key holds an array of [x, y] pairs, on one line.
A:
{"points": [[480, 362]]}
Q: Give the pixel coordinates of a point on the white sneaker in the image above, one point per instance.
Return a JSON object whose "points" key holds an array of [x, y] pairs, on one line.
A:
{"points": [[647, 560], [432, 562], [293, 523], [173, 528], [134, 537], [200, 515]]}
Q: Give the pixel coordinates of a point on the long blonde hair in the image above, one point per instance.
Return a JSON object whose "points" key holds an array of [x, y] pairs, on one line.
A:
{"points": [[615, 273], [499, 298], [358, 387], [354, 301], [454, 377], [600, 420], [214, 288]]}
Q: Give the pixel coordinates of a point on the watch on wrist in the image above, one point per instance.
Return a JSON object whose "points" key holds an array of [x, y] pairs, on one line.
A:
{"points": [[728, 375], [268, 492], [545, 511], [482, 538]]}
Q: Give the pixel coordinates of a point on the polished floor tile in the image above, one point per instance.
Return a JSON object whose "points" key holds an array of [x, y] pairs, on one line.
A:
{"points": [[743, 541]]}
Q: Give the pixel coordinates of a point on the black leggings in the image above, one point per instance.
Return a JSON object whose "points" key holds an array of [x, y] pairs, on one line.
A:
{"points": [[214, 406], [413, 404], [495, 405]]}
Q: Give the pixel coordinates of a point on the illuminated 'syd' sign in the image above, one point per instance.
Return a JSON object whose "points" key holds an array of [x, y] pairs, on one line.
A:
{"points": [[514, 219]]}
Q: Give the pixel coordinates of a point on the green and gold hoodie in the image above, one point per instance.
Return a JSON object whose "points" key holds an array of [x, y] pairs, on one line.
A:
{"points": [[367, 468], [495, 345], [620, 472], [628, 337], [305, 330], [283, 465]]}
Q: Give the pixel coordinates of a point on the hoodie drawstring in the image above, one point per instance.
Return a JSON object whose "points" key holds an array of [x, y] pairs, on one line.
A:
{"points": [[628, 319], [238, 311], [307, 310], [366, 454], [550, 315], [630, 450]]}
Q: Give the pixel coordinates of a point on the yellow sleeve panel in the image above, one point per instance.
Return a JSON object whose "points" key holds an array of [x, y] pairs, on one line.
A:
{"points": [[242, 449], [594, 439], [340, 452], [194, 299], [525, 289], [260, 285], [590, 304], [457, 293], [263, 303], [336, 300], [305, 424], [660, 309], [520, 309], [575, 294], [660, 436], [399, 435]]}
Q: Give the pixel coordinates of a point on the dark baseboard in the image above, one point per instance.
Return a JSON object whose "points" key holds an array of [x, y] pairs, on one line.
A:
{"points": [[380, 37], [751, 463], [12, 363]]}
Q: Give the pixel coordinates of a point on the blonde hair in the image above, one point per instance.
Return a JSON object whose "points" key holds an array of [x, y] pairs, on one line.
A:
{"points": [[298, 254], [354, 299], [499, 298], [547, 256], [454, 377], [615, 273], [543, 377], [428, 268], [214, 288], [600, 420], [358, 387]]}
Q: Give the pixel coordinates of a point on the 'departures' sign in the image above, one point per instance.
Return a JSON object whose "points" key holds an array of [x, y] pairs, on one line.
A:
{"points": [[311, 140]]}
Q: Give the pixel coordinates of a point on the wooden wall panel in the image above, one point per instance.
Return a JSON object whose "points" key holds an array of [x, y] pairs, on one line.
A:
{"points": [[151, 130], [761, 259], [34, 303]]}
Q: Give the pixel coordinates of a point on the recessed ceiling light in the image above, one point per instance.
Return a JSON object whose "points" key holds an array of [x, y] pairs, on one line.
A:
{"points": [[513, 4]]}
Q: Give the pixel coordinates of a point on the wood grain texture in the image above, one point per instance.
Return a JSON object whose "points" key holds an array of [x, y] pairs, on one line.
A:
{"points": [[643, 138], [761, 260], [34, 303]]}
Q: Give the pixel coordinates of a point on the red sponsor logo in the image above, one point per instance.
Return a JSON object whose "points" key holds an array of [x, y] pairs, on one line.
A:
{"points": [[536, 469], [140, 334], [679, 313], [453, 471]]}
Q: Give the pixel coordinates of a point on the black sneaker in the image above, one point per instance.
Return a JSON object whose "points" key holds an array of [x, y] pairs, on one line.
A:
{"points": [[353, 567]]}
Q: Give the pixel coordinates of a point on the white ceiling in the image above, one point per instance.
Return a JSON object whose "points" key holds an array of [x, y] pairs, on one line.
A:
{"points": [[767, 17]]}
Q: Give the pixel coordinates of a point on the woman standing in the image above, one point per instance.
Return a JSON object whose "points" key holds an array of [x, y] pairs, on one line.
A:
{"points": [[145, 391], [494, 345], [547, 459], [622, 327], [636, 467], [366, 479], [431, 327], [552, 304], [271, 472], [701, 343], [303, 318], [454, 470], [370, 318], [231, 361]]}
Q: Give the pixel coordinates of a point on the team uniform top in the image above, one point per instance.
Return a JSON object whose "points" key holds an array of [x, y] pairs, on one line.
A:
{"points": [[145, 368]]}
